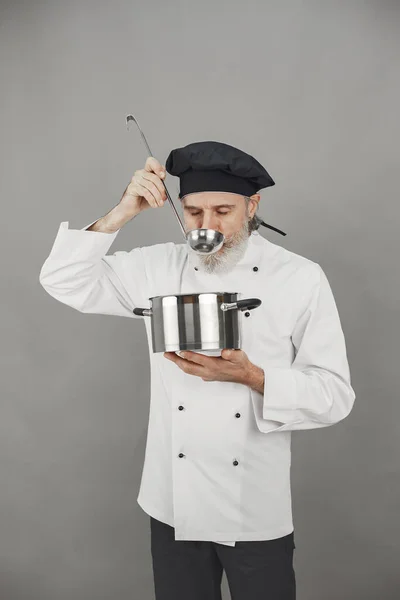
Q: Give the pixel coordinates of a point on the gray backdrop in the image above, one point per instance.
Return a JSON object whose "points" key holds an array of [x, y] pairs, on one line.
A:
{"points": [[312, 90]]}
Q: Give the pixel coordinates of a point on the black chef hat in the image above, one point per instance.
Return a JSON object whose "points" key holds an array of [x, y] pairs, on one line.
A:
{"points": [[217, 167]]}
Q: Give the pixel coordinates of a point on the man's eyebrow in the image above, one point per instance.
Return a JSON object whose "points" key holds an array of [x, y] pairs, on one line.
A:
{"points": [[215, 206]]}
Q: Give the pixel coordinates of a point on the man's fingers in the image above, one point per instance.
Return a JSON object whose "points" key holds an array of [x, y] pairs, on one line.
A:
{"points": [[195, 357], [152, 177], [154, 166], [187, 365]]}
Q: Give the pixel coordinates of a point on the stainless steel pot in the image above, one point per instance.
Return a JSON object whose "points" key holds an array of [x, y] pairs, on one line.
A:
{"points": [[206, 321]]}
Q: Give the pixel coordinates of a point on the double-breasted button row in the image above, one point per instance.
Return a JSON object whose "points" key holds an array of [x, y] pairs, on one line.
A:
{"points": [[237, 415], [235, 462], [181, 455]]}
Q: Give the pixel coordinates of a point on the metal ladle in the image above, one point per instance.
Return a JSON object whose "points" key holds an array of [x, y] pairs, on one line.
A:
{"points": [[203, 241]]}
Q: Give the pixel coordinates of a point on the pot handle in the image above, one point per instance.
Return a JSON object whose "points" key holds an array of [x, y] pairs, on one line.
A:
{"points": [[143, 312], [245, 304]]}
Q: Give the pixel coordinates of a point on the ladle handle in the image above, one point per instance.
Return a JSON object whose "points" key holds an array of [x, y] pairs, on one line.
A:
{"points": [[174, 209], [132, 118]]}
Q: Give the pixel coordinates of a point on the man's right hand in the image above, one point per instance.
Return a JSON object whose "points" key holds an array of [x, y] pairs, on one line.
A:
{"points": [[146, 189]]}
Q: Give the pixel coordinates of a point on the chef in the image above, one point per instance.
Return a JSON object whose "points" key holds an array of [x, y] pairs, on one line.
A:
{"points": [[216, 475]]}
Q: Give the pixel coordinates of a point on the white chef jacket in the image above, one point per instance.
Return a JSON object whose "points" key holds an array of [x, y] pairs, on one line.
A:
{"points": [[218, 454]]}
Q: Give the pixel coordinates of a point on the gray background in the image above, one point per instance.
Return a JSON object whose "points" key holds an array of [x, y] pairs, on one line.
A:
{"points": [[312, 90]]}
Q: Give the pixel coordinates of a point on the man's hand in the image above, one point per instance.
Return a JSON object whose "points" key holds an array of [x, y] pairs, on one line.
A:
{"points": [[232, 365]]}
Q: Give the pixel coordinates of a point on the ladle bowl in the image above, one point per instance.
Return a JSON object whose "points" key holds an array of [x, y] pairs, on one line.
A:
{"points": [[205, 241]]}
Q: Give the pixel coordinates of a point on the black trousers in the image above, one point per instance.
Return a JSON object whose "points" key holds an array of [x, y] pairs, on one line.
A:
{"points": [[186, 570]]}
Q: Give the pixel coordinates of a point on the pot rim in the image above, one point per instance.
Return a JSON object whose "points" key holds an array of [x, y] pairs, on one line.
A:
{"points": [[193, 294]]}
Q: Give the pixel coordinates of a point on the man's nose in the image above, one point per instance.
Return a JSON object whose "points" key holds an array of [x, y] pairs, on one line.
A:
{"points": [[209, 222]]}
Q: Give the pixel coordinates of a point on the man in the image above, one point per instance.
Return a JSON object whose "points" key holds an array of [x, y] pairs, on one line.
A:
{"points": [[216, 478]]}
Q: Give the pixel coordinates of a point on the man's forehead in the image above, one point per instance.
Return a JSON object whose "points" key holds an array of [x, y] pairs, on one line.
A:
{"points": [[211, 198]]}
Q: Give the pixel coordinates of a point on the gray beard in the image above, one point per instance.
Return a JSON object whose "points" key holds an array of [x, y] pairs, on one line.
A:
{"points": [[228, 256]]}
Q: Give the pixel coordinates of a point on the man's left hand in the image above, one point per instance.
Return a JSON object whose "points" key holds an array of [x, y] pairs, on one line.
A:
{"points": [[232, 365]]}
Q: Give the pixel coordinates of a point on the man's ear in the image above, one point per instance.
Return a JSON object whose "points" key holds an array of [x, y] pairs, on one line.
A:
{"points": [[253, 206]]}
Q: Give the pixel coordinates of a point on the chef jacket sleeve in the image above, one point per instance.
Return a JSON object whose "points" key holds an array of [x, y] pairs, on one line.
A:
{"points": [[316, 390], [79, 274]]}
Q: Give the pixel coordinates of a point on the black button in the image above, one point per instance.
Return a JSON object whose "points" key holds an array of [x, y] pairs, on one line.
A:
{"points": [[181, 455], [180, 407], [196, 269], [237, 415], [255, 268], [235, 462], [246, 314]]}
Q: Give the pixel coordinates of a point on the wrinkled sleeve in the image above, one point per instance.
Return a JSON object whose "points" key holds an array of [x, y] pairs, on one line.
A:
{"points": [[79, 273], [316, 390]]}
